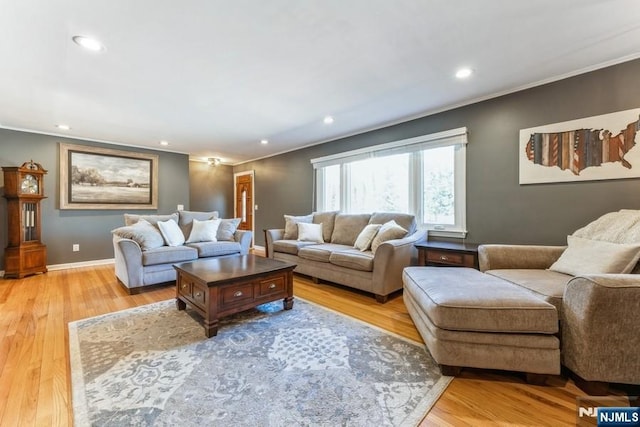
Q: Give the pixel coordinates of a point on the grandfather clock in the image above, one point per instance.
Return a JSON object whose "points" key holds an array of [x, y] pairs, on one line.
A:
{"points": [[23, 188]]}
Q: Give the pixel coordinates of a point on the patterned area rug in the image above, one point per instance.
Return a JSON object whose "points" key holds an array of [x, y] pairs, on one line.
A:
{"points": [[153, 365]]}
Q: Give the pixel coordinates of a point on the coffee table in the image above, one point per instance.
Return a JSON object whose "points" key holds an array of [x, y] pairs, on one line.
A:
{"points": [[217, 287]]}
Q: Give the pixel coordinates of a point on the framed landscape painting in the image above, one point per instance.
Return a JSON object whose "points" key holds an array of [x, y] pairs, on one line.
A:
{"points": [[98, 178]]}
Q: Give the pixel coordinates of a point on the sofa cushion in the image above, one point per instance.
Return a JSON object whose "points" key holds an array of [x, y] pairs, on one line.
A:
{"points": [[406, 221], [347, 228], [352, 258], [186, 219], [291, 225], [389, 231], [327, 219], [584, 256], [464, 299], [364, 239], [204, 231], [210, 249], [143, 233], [290, 246], [168, 254], [171, 232], [308, 232], [320, 252], [130, 219], [545, 284], [227, 229]]}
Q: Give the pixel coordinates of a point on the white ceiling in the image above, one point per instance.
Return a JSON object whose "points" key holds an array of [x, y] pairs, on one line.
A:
{"points": [[215, 77]]}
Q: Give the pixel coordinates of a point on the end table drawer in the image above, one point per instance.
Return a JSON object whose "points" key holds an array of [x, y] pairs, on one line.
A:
{"points": [[444, 257], [272, 286], [236, 294]]}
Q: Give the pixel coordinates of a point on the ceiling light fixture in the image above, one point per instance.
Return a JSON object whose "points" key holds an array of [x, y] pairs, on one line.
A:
{"points": [[63, 127], [328, 120], [264, 141], [88, 43], [464, 73], [164, 143], [214, 161]]}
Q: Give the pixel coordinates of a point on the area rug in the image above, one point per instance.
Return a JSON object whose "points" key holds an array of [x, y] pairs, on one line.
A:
{"points": [[309, 366]]}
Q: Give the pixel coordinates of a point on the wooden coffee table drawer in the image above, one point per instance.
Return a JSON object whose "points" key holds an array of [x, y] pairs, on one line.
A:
{"points": [[271, 286], [235, 294], [448, 254]]}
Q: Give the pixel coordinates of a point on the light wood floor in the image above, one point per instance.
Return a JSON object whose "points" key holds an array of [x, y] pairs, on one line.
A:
{"points": [[35, 385]]}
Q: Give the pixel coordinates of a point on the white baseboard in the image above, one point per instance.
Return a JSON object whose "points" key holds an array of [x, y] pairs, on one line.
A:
{"points": [[91, 263]]}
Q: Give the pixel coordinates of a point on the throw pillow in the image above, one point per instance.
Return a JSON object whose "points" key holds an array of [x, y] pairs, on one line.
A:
{"points": [[310, 232], [291, 225], [227, 229], [171, 232], [186, 218], [204, 231], [363, 242], [389, 231], [584, 256], [143, 233], [130, 219]]}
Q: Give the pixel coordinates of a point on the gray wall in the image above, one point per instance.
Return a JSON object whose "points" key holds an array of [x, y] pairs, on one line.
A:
{"points": [[499, 210], [89, 228], [211, 188]]}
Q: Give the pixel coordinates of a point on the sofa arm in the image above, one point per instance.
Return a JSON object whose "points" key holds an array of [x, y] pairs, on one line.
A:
{"points": [[244, 237], [128, 261], [500, 257], [391, 258], [271, 236], [599, 324]]}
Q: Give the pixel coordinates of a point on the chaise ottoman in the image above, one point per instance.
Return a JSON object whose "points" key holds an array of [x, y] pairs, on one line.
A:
{"points": [[471, 319]]}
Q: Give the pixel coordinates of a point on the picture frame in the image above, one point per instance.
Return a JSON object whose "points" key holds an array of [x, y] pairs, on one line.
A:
{"points": [[99, 178]]}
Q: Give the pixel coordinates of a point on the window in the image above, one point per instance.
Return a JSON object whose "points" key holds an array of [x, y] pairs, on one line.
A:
{"points": [[423, 175]]}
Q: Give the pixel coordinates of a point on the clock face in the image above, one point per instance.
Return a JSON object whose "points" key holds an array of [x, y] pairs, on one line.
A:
{"points": [[29, 184]]}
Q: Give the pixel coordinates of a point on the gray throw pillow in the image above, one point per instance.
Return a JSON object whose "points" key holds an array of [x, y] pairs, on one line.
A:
{"points": [[291, 225], [142, 232], [227, 229], [130, 219]]}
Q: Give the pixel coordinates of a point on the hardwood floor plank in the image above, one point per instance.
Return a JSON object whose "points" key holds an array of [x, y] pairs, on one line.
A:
{"points": [[35, 376]]}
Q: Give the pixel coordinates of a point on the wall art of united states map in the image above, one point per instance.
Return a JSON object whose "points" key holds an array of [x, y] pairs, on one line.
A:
{"points": [[593, 148]]}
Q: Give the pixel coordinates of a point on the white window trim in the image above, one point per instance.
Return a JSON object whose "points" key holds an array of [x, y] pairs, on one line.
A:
{"points": [[456, 137]]}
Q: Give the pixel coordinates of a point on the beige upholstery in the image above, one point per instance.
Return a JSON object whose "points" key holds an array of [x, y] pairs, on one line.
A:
{"points": [[340, 262], [469, 319]]}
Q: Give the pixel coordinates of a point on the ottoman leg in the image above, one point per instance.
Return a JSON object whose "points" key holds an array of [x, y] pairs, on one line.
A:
{"points": [[536, 379], [450, 371]]}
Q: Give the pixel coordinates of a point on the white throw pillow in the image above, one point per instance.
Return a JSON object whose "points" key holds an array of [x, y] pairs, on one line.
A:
{"points": [[389, 231], [366, 236], [204, 231], [142, 232], [584, 256], [171, 232], [310, 232]]}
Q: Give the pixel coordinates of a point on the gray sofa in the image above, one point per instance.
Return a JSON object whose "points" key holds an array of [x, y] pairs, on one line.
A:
{"points": [[377, 270], [143, 257], [592, 285]]}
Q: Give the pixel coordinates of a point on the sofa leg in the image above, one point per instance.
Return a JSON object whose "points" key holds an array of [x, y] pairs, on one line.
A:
{"points": [[315, 280], [450, 371], [382, 298], [592, 388], [536, 379]]}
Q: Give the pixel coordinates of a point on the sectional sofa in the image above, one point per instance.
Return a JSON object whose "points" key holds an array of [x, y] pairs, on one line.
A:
{"points": [[362, 251], [147, 246]]}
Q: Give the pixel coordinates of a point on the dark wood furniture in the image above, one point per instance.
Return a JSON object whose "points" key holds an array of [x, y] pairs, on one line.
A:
{"points": [[218, 287], [24, 190], [448, 254]]}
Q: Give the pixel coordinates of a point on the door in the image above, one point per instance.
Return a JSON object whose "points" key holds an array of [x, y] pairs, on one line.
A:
{"points": [[244, 200]]}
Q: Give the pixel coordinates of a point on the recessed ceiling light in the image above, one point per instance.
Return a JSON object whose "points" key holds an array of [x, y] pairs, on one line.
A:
{"points": [[328, 120], [63, 127], [88, 43], [264, 141], [164, 143], [463, 73]]}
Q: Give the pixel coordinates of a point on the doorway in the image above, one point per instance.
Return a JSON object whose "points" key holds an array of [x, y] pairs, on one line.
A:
{"points": [[244, 205]]}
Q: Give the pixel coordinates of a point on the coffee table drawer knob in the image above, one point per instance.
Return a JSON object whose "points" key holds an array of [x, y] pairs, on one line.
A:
{"points": [[237, 294], [272, 286], [184, 286], [443, 257], [198, 294]]}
